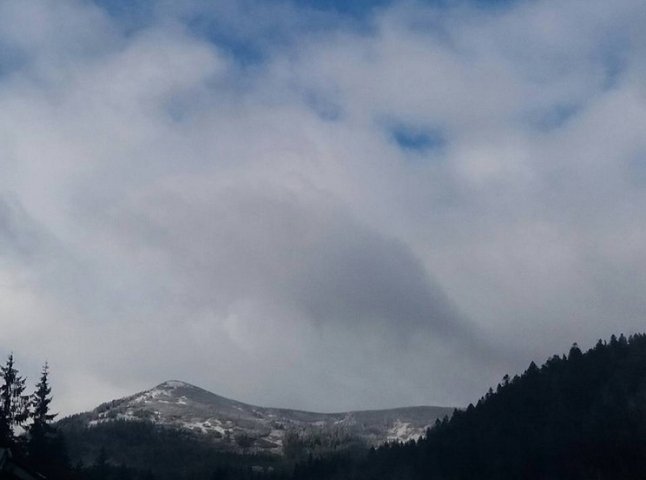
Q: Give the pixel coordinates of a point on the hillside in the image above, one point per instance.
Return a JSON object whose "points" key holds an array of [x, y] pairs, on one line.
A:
{"points": [[580, 416], [201, 421]]}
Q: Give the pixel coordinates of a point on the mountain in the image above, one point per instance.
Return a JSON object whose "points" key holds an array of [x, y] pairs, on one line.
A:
{"points": [[238, 427]]}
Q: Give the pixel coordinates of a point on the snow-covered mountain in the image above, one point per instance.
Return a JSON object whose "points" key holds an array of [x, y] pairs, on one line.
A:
{"points": [[237, 426]]}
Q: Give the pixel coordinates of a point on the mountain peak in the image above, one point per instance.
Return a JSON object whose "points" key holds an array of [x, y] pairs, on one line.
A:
{"points": [[178, 404], [172, 384]]}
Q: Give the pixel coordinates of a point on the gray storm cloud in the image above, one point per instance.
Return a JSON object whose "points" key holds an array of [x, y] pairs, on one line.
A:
{"points": [[396, 210], [304, 253]]}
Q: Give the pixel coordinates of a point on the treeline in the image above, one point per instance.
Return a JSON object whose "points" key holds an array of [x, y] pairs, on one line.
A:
{"points": [[125, 449], [301, 444], [577, 417]]}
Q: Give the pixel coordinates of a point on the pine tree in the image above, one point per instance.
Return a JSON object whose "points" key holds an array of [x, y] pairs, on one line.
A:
{"points": [[41, 433], [41, 399], [14, 405]]}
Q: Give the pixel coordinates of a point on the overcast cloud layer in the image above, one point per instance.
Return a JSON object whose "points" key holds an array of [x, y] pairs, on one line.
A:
{"points": [[314, 208]]}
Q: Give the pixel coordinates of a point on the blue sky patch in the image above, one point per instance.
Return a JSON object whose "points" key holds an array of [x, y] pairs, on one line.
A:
{"points": [[418, 139], [356, 8], [243, 49], [252, 48], [131, 14], [325, 108], [555, 117]]}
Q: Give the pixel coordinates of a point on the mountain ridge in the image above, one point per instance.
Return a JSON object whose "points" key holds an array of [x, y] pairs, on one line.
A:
{"points": [[237, 426]]}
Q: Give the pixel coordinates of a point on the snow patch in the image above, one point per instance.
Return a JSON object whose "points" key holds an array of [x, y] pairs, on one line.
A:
{"points": [[403, 432]]}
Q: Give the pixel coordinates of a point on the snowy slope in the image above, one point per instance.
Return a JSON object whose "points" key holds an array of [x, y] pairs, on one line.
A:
{"points": [[238, 426]]}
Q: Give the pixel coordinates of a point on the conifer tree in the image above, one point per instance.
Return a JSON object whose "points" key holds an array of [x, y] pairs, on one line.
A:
{"points": [[41, 433], [14, 404], [41, 399]]}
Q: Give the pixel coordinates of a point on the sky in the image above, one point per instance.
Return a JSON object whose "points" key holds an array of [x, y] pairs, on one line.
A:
{"points": [[321, 205]]}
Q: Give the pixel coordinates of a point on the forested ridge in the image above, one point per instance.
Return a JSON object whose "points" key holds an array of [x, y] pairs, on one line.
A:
{"points": [[580, 416]]}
